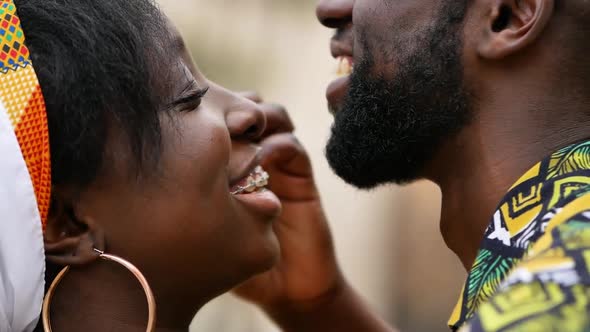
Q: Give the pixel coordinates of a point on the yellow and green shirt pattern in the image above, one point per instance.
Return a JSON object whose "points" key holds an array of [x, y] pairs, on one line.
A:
{"points": [[532, 272]]}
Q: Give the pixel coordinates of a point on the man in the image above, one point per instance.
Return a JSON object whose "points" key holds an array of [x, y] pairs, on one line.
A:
{"points": [[490, 100]]}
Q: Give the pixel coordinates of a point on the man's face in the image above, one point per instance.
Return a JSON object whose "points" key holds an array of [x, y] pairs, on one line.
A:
{"points": [[404, 95]]}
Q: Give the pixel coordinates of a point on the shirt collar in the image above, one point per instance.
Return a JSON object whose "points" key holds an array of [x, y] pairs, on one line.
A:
{"points": [[519, 221]]}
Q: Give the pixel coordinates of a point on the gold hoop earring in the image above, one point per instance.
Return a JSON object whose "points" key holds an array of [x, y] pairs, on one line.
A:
{"points": [[151, 325]]}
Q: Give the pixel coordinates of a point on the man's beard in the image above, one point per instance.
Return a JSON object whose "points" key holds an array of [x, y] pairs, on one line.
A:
{"points": [[388, 129]]}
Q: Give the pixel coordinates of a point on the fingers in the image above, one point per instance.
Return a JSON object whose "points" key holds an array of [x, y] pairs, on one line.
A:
{"points": [[277, 117], [283, 151], [289, 167], [282, 154], [292, 190]]}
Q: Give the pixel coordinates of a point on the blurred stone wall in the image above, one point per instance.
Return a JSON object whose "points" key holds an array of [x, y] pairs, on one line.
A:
{"points": [[388, 240]]}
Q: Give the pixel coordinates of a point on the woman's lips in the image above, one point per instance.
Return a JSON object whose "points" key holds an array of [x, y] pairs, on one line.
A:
{"points": [[263, 201], [252, 191], [337, 90], [249, 157]]}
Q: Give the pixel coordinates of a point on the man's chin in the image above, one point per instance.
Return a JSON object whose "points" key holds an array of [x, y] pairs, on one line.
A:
{"points": [[363, 182], [335, 103], [366, 172]]}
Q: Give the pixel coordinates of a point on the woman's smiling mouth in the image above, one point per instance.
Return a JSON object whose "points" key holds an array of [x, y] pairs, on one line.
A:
{"points": [[256, 181], [251, 190]]}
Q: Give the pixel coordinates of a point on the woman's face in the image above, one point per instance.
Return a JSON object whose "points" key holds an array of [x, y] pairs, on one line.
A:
{"points": [[181, 225]]}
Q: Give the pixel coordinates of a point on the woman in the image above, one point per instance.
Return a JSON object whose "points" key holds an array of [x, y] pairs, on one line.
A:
{"points": [[150, 162]]}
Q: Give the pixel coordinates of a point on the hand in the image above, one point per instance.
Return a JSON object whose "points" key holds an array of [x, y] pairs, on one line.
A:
{"points": [[305, 291], [307, 270]]}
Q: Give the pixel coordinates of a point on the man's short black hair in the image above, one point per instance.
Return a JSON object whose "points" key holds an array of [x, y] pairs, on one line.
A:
{"points": [[93, 61]]}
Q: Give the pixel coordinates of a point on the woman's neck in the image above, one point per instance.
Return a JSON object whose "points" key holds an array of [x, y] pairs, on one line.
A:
{"points": [[106, 297]]}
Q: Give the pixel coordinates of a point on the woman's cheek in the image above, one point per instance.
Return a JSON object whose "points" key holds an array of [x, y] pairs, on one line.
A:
{"points": [[197, 150]]}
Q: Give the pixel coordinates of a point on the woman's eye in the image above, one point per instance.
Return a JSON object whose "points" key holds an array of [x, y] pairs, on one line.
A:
{"points": [[191, 106], [191, 101]]}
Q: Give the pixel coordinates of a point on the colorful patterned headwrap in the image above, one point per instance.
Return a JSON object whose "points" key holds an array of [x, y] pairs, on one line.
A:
{"points": [[21, 95], [25, 179]]}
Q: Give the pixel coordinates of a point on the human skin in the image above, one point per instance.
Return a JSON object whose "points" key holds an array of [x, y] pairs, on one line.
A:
{"points": [[529, 102], [507, 72], [179, 222]]}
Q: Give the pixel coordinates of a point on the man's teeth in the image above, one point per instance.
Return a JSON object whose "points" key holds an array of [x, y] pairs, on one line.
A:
{"points": [[344, 66]]}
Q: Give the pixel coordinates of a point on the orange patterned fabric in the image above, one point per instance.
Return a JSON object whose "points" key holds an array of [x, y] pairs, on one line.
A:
{"points": [[20, 93]]}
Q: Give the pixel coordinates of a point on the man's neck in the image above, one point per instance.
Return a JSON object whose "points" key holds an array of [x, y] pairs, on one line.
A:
{"points": [[476, 168]]}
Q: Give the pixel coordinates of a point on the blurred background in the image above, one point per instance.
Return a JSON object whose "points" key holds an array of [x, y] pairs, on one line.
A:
{"points": [[388, 240]]}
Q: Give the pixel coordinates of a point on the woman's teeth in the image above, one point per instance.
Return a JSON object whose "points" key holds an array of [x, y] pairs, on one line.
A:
{"points": [[345, 66], [256, 181]]}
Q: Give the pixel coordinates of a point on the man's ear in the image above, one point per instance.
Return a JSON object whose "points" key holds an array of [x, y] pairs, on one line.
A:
{"points": [[512, 25], [70, 237]]}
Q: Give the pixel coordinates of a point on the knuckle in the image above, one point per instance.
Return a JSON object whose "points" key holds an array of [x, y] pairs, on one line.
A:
{"points": [[282, 112], [281, 109]]}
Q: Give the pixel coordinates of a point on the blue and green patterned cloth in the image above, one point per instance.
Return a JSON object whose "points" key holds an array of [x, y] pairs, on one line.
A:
{"points": [[532, 272]]}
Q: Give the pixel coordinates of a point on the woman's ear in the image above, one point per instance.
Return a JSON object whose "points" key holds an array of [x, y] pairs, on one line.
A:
{"points": [[70, 237], [512, 25]]}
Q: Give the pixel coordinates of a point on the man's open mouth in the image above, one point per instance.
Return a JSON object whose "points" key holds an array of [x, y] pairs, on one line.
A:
{"points": [[345, 65]]}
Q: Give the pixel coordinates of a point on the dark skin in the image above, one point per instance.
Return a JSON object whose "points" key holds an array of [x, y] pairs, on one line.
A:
{"points": [[305, 291], [531, 101], [178, 223]]}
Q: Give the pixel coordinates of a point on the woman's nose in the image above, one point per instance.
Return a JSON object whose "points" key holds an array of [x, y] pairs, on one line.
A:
{"points": [[335, 13], [246, 120]]}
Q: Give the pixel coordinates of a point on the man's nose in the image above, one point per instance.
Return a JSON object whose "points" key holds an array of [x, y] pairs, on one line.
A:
{"points": [[245, 120], [335, 13]]}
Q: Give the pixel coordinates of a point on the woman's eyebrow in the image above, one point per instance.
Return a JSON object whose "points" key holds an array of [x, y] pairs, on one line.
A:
{"points": [[179, 45]]}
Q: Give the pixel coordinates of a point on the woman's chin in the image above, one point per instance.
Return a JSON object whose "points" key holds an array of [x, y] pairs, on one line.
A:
{"points": [[254, 261], [267, 256]]}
